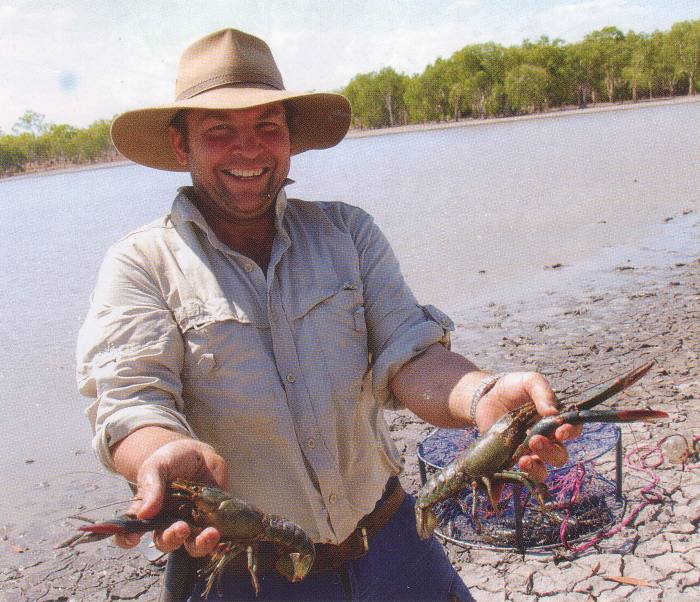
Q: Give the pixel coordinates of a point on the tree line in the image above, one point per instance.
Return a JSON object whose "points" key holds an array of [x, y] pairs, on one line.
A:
{"points": [[490, 80], [36, 145], [478, 81]]}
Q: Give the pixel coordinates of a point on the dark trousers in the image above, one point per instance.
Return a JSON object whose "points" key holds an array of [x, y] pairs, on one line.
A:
{"points": [[398, 566]]}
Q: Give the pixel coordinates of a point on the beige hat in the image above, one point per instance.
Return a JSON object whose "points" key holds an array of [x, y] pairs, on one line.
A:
{"points": [[230, 69]]}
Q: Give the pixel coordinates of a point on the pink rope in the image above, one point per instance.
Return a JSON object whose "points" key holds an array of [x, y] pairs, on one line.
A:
{"points": [[568, 489], [637, 459]]}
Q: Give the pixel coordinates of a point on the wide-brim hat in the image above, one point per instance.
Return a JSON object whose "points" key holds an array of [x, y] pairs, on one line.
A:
{"points": [[230, 69]]}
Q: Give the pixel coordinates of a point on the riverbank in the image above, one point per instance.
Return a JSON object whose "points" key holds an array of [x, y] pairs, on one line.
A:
{"points": [[557, 112], [630, 314], [417, 127], [51, 171]]}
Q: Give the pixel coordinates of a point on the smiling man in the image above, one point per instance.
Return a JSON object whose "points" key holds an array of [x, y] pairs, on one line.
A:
{"points": [[251, 341], [239, 161]]}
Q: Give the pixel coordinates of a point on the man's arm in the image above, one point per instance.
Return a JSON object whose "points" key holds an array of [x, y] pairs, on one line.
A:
{"points": [[130, 358], [438, 387]]}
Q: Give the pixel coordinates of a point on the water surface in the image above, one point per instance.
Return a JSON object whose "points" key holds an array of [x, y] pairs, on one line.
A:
{"points": [[474, 214]]}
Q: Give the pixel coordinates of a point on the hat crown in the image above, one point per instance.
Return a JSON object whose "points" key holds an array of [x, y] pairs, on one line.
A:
{"points": [[226, 58]]}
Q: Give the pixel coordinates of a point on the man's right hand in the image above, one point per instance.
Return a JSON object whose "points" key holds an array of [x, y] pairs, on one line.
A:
{"points": [[172, 457]]}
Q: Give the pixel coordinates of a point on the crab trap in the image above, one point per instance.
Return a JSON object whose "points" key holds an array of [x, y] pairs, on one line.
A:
{"points": [[581, 504]]}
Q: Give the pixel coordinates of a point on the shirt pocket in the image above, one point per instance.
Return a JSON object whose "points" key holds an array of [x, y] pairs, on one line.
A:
{"points": [[334, 324], [211, 332], [230, 383]]}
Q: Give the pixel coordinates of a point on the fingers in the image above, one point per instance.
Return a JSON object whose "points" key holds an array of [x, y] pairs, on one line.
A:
{"points": [[204, 543], [181, 458], [173, 537], [567, 432], [540, 391], [196, 543], [218, 470], [127, 541], [534, 467], [548, 451], [517, 388], [545, 451], [150, 491]]}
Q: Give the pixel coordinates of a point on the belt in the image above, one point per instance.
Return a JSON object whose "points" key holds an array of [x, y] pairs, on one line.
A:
{"points": [[331, 557]]}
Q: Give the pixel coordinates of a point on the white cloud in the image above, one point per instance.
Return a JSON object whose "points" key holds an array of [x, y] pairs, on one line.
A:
{"points": [[74, 68], [573, 21], [33, 53], [339, 55]]}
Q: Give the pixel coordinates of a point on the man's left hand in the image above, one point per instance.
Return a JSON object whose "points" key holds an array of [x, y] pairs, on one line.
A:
{"points": [[513, 390]]}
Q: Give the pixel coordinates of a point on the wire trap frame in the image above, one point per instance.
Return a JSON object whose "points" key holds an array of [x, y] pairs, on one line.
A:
{"points": [[582, 503]]}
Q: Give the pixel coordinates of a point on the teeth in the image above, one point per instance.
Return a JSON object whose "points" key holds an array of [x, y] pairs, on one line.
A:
{"points": [[244, 173]]}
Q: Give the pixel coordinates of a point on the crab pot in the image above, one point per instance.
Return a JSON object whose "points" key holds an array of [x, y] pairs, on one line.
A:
{"points": [[520, 524]]}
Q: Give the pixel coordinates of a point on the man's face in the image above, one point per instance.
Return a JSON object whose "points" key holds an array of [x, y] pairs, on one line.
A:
{"points": [[238, 159]]}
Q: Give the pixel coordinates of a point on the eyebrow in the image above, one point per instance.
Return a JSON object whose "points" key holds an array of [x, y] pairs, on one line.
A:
{"points": [[271, 112]]}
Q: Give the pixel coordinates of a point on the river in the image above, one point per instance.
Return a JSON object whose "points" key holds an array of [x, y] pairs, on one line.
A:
{"points": [[475, 214]]}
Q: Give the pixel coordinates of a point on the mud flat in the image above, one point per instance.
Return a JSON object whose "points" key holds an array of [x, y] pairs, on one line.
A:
{"points": [[650, 313], [634, 314]]}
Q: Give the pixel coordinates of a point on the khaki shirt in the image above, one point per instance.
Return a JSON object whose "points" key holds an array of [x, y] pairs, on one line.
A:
{"points": [[286, 374]]}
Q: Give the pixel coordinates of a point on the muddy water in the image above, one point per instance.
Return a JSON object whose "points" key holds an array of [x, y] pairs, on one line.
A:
{"points": [[474, 214]]}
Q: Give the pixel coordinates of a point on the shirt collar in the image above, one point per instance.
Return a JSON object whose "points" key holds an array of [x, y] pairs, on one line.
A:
{"points": [[185, 210]]}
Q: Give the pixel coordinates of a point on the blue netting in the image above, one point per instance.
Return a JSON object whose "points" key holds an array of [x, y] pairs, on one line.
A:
{"points": [[442, 445], [595, 508]]}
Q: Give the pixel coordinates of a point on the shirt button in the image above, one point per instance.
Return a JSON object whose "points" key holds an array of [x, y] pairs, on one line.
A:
{"points": [[311, 443], [291, 378], [273, 315], [248, 267], [332, 498]]}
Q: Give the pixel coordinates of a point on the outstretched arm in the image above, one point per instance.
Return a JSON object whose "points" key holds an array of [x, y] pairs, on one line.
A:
{"points": [[438, 386]]}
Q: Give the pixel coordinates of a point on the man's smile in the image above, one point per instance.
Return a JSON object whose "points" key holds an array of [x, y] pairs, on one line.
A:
{"points": [[245, 173]]}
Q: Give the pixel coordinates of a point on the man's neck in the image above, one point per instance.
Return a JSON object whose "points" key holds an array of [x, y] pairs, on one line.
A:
{"points": [[251, 238]]}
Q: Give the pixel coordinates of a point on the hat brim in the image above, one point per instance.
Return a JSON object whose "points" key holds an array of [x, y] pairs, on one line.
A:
{"points": [[317, 120]]}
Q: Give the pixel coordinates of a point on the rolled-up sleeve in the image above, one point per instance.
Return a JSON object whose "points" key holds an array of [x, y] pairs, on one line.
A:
{"points": [[129, 355], [398, 327]]}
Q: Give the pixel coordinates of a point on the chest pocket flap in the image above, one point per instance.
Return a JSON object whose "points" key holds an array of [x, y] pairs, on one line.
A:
{"points": [[344, 296], [196, 314]]}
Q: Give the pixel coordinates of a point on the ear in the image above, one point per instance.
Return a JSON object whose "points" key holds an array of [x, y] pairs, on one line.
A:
{"points": [[179, 145]]}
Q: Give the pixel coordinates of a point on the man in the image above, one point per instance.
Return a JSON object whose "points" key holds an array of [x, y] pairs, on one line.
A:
{"points": [[252, 341]]}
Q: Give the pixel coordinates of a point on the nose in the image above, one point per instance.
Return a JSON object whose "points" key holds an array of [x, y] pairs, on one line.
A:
{"points": [[247, 143]]}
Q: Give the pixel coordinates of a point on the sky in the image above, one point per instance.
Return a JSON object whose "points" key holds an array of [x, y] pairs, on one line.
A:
{"points": [[76, 61]]}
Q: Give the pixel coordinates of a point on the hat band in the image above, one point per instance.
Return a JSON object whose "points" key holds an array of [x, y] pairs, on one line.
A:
{"points": [[228, 80]]}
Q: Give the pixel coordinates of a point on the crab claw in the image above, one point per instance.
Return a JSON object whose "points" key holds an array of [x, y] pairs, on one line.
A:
{"points": [[294, 566]]}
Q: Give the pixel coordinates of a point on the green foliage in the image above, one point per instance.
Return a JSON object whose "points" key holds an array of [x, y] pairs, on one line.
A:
{"points": [[685, 39], [37, 144], [31, 122], [611, 53], [496, 104], [526, 87], [377, 98], [489, 80], [12, 156]]}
